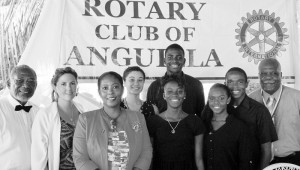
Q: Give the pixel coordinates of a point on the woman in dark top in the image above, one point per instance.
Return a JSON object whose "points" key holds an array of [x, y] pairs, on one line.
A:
{"points": [[226, 142], [177, 136], [134, 79]]}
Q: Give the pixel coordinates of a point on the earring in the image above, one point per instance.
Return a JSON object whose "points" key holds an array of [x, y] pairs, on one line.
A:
{"points": [[55, 96], [76, 94]]}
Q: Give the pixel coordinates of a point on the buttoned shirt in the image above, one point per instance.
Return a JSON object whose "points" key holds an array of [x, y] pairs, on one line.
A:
{"points": [[257, 117], [15, 134], [228, 147], [287, 119], [275, 95]]}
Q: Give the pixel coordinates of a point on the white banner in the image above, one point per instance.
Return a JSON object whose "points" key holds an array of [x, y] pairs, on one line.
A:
{"points": [[95, 36]]}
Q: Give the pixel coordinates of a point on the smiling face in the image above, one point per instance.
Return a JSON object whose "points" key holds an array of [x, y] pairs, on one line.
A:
{"points": [[134, 82], [173, 94], [218, 100], [22, 84], [110, 91], [66, 87], [270, 76], [174, 60], [237, 84]]}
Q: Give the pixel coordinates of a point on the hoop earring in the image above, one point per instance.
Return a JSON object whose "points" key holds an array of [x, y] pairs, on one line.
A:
{"points": [[55, 96], [76, 94]]}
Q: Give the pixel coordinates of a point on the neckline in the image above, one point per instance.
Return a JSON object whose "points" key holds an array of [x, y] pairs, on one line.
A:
{"points": [[228, 121], [173, 121], [127, 106]]}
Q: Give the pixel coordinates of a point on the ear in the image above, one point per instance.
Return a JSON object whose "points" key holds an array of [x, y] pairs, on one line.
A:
{"points": [[247, 83], [164, 96]]}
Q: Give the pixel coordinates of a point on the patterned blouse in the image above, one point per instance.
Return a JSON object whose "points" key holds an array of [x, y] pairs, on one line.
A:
{"points": [[118, 150], [66, 144]]}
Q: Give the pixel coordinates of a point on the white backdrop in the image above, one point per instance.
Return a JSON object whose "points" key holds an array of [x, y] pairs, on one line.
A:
{"points": [[94, 36]]}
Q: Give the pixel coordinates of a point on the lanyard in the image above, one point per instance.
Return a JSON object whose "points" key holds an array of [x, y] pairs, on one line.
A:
{"points": [[277, 101]]}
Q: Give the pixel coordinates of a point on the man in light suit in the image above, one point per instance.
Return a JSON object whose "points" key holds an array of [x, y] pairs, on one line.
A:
{"points": [[284, 106]]}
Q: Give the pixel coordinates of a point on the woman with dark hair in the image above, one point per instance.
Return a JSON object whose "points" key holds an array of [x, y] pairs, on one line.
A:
{"points": [[226, 143], [112, 137], [176, 136], [134, 79], [54, 126]]}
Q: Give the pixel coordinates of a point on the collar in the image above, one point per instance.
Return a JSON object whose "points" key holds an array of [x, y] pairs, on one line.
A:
{"points": [[180, 75], [245, 103], [266, 95]]}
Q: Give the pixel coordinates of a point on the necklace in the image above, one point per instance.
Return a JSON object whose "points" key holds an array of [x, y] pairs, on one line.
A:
{"points": [[66, 116], [112, 121], [72, 118], [173, 129]]}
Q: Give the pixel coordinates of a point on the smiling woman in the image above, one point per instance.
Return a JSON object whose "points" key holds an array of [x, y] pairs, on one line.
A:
{"points": [[226, 140], [177, 136], [54, 126], [112, 137], [134, 79]]}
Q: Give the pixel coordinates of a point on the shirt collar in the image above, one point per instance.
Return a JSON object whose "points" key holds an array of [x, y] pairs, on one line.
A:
{"points": [[275, 95], [181, 74], [244, 103]]}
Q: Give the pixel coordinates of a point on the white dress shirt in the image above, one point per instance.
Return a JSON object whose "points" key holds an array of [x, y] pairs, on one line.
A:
{"points": [[15, 134]]}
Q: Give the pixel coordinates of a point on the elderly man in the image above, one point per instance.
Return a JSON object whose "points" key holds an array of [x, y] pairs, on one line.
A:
{"points": [[284, 106], [16, 118], [174, 60]]}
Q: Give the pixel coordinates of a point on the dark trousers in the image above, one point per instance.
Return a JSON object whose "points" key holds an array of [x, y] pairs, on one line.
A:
{"points": [[293, 158]]}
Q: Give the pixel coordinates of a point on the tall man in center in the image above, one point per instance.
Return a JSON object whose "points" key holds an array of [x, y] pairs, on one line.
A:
{"points": [[174, 61]]}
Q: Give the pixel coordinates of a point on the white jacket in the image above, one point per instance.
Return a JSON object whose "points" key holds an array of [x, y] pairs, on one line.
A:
{"points": [[45, 146]]}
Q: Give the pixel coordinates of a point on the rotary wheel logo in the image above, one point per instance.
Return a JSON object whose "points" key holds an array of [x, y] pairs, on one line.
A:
{"points": [[261, 36]]}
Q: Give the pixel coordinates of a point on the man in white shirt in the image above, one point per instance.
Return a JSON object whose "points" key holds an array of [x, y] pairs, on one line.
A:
{"points": [[16, 118]]}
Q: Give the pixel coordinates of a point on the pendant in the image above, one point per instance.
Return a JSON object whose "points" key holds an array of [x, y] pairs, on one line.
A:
{"points": [[173, 131]]}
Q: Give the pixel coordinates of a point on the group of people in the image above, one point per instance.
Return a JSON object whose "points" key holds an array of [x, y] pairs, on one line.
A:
{"points": [[172, 130]]}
